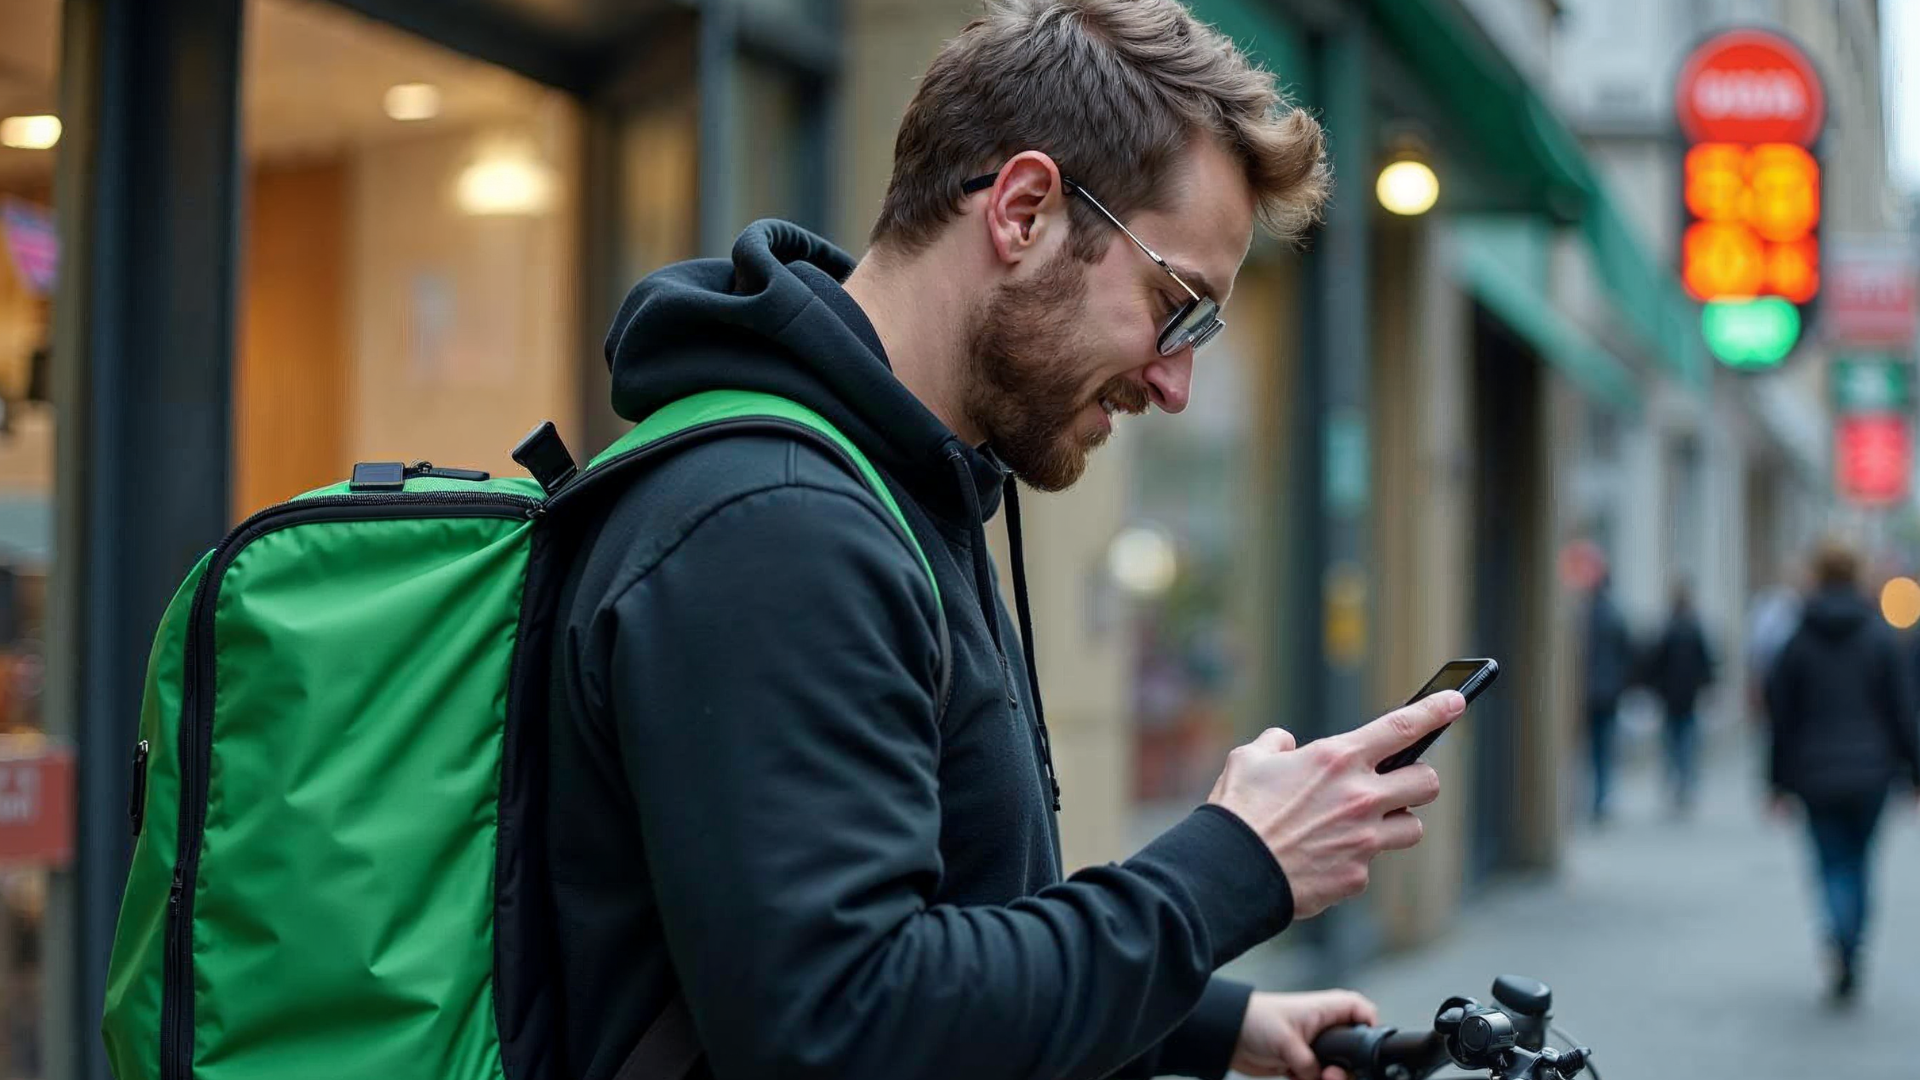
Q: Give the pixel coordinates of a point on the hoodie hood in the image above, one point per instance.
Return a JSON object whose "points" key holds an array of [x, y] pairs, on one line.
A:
{"points": [[773, 318], [1836, 613]]}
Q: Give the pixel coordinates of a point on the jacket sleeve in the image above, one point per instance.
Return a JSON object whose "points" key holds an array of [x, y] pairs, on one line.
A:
{"points": [[771, 680], [1203, 1045]]}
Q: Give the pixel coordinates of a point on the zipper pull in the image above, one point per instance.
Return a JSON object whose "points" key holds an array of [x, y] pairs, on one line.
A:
{"points": [[427, 469], [137, 797], [173, 894]]}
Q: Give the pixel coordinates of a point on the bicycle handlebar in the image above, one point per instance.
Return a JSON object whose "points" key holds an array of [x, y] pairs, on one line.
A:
{"points": [[1370, 1051], [1508, 1041]]}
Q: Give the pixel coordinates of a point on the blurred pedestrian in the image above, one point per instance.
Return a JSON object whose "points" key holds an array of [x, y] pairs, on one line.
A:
{"points": [[1609, 669], [1679, 665], [1841, 706]]}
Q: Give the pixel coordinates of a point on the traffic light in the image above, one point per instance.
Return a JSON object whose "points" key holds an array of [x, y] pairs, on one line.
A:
{"points": [[1751, 105]]}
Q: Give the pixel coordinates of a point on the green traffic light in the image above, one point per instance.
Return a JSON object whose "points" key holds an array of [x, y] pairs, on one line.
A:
{"points": [[1750, 334]]}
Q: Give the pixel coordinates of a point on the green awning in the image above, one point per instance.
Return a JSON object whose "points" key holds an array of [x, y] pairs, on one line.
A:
{"points": [[1263, 33], [1515, 133], [1502, 264]]}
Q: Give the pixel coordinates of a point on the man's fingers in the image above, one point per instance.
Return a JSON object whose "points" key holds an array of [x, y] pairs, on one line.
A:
{"points": [[1403, 727], [1400, 830], [1277, 740], [1342, 1007], [1298, 1056], [1415, 785]]}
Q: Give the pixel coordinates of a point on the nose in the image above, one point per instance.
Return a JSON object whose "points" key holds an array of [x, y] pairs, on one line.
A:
{"points": [[1170, 379]]}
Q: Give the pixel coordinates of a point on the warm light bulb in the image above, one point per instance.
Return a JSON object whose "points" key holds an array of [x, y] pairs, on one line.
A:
{"points": [[1408, 188], [30, 132], [413, 101], [506, 180], [1900, 602]]}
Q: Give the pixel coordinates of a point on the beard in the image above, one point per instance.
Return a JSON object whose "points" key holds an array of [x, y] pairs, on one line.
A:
{"points": [[1026, 364]]}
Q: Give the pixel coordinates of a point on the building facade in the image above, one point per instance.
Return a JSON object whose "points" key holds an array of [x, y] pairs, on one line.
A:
{"points": [[299, 233]]}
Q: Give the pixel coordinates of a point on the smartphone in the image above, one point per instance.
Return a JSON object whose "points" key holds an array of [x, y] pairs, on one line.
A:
{"points": [[1467, 676]]}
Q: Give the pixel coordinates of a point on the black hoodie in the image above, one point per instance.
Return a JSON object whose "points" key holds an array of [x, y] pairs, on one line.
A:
{"points": [[759, 794], [1841, 703]]}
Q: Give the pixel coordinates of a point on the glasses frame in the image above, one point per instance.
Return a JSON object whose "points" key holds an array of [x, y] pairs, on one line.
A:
{"points": [[1196, 322]]}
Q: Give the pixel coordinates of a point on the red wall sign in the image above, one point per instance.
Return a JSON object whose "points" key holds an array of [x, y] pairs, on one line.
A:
{"points": [[1874, 457], [1748, 87], [36, 809]]}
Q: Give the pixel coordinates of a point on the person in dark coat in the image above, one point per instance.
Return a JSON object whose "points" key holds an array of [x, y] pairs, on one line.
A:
{"points": [[1609, 667], [1678, 667], [1841, 705]]}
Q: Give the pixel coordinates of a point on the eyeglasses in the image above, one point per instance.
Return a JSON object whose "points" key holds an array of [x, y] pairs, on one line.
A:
{"points": [[1197, 321]]}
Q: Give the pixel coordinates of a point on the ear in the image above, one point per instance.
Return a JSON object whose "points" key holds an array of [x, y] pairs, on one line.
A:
{"points": [[1026, 210]]}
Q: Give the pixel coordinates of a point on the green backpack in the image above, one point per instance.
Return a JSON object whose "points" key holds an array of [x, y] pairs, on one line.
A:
{"points": [[341, 752]]}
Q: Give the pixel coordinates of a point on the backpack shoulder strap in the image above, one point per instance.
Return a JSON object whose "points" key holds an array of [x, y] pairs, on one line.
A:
{"points": [[716, 410]]}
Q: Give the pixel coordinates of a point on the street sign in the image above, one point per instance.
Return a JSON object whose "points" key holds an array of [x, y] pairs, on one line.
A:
{"points": [[1873, 384], [36, 809], [1750, 86], [1873, 455], [1870, 292]]}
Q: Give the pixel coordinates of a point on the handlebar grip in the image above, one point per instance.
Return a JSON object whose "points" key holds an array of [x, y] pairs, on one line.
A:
{"points": [[1351, 1048], [1415, 1049]]}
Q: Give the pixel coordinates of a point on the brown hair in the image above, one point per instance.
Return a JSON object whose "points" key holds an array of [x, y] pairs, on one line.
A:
{"points": [[1835, 565], [1113, 91]]}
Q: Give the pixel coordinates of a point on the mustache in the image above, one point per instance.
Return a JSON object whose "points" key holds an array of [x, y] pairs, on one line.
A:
{"points": [[1125, 396]]}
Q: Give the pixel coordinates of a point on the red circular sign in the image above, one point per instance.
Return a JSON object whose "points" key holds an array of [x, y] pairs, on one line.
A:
{"points": [[1750, 86]]}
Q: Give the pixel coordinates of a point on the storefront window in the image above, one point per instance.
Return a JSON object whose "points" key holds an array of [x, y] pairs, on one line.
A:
{"points": [[409, 287], [1197, 557], [30, 132]]}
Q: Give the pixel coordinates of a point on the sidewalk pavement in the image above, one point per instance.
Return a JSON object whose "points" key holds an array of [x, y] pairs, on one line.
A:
{"points": [[1685, 948]]}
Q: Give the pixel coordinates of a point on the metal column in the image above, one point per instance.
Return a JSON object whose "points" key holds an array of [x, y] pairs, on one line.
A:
{"points": [[148, 194]]}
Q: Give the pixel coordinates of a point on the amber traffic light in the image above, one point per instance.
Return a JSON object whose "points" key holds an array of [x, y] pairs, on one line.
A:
{"points": [[1754, 211]]}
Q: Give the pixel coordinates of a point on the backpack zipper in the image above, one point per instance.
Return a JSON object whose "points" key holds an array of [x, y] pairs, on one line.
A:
{"points": [[195, 746]]}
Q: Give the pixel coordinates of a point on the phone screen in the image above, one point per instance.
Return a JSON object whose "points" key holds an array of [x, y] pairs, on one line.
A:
{"points": [[1467, 676]]}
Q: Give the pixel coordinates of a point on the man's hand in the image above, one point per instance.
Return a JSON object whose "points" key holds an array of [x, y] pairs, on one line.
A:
{"points": [[1780, 808], [1277, 1037], [1323, 810]]}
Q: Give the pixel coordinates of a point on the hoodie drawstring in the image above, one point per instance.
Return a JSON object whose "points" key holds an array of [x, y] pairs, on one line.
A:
{"points": [[983, 590], [1026, 629], [977, 542]]}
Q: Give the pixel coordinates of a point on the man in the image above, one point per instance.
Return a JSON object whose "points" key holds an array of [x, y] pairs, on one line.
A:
{"points": [[1609, 670], [1841, 711], [770, 800], [1679, 666]]}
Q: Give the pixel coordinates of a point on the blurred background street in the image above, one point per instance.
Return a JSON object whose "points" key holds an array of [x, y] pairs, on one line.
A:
{"points": [[1680, 946], [1615, 303]]}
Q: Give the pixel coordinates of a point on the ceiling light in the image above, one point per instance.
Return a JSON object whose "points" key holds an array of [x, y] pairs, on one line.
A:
{"points": [[1408, 188], [506, 180], [413, 101], [30, 132]]}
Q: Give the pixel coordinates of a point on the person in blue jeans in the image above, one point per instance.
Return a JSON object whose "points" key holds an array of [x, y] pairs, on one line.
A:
{"points": [[1841, 709], [1678, 667]]}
